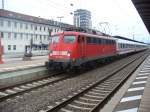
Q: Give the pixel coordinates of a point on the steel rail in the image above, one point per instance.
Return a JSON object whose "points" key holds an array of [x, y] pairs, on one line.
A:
{"points": [[2, 98], [130, 72]]}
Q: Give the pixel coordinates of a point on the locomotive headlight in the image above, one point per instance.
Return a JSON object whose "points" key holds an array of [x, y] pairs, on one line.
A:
{"points": [[68, 53], [50, 53]]}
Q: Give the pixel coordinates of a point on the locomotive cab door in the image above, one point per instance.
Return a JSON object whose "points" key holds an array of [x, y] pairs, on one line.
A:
{"points": [[81, 42]]}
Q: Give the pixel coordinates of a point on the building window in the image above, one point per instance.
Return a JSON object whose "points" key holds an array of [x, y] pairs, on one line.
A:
{"points": [[31, 27], [20, 25], [35, 37], [40, 28], [44, 28], [9, 47], [14, 47], [9, 24], [27, 36], [45, 37], [1, 35], [15, 35], [15, 24], [31, 35], [41, 37], [1, 23], [9, 35], [35, 27], [26, 26], [21, 36]]}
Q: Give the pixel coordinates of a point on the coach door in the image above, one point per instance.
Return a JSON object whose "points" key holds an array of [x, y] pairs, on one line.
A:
{"points": [[81, 41]]}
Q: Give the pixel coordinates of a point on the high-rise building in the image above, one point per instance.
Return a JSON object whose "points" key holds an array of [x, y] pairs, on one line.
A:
{"points": [[82, 18]]}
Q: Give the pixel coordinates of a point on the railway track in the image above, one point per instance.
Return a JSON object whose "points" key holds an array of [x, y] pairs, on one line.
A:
{"points": [[92, 97], [18, 89]]}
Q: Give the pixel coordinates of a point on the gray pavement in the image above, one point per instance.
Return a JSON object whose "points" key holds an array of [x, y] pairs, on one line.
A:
{"points": [[11, 64]]}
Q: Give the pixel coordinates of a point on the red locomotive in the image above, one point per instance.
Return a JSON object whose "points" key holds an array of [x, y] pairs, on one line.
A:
{"points": [[71, 49]]}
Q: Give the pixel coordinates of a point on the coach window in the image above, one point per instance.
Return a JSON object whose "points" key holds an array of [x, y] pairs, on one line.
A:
{"points": [[69, 39], [121, 45]]}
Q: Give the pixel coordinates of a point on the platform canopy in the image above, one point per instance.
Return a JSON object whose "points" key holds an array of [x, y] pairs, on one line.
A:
{"points": [[143, 8]]}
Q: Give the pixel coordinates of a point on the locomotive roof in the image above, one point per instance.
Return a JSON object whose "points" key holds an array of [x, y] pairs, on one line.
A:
{"points": [[87, 34]]}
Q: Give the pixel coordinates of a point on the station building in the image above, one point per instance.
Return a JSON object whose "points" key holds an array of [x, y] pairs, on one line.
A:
{"points": [[19, 31]]}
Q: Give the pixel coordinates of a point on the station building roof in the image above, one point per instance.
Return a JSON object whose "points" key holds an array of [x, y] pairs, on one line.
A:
{"points": [[143, 8], [28, 18]]}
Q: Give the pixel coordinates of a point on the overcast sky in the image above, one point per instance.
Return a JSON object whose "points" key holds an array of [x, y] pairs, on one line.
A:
{"points": [[121, 15]]}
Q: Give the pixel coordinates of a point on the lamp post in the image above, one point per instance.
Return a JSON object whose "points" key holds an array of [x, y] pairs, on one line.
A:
{"points": [[60, 17], [71, 13], [2, 4]]}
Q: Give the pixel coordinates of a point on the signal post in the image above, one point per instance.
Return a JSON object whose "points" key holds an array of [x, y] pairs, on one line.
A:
{"points": [[1, 52]]}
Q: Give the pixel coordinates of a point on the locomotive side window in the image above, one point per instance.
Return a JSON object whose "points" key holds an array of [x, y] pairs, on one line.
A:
{"points": [[82, 39], [100, 41], [103, 41], [79, 39], [69, 39], [93, 40], [55, 39], [88, 40], [97, 40]]}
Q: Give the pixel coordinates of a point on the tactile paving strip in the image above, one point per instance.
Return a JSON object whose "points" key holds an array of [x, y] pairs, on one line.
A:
{"points": [[132, 98]]}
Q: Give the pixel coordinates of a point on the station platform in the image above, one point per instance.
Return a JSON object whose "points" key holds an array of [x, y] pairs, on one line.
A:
{"points": [[15, 70], [137, 95], [13, 64]]}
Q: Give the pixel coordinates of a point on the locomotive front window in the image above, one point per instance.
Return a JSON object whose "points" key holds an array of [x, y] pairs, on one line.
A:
{"points": [[69, 39], [55, 39]]}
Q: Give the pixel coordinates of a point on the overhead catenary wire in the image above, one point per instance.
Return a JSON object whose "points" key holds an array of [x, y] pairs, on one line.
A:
{"points": [[58, 10], [53, 6]]}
